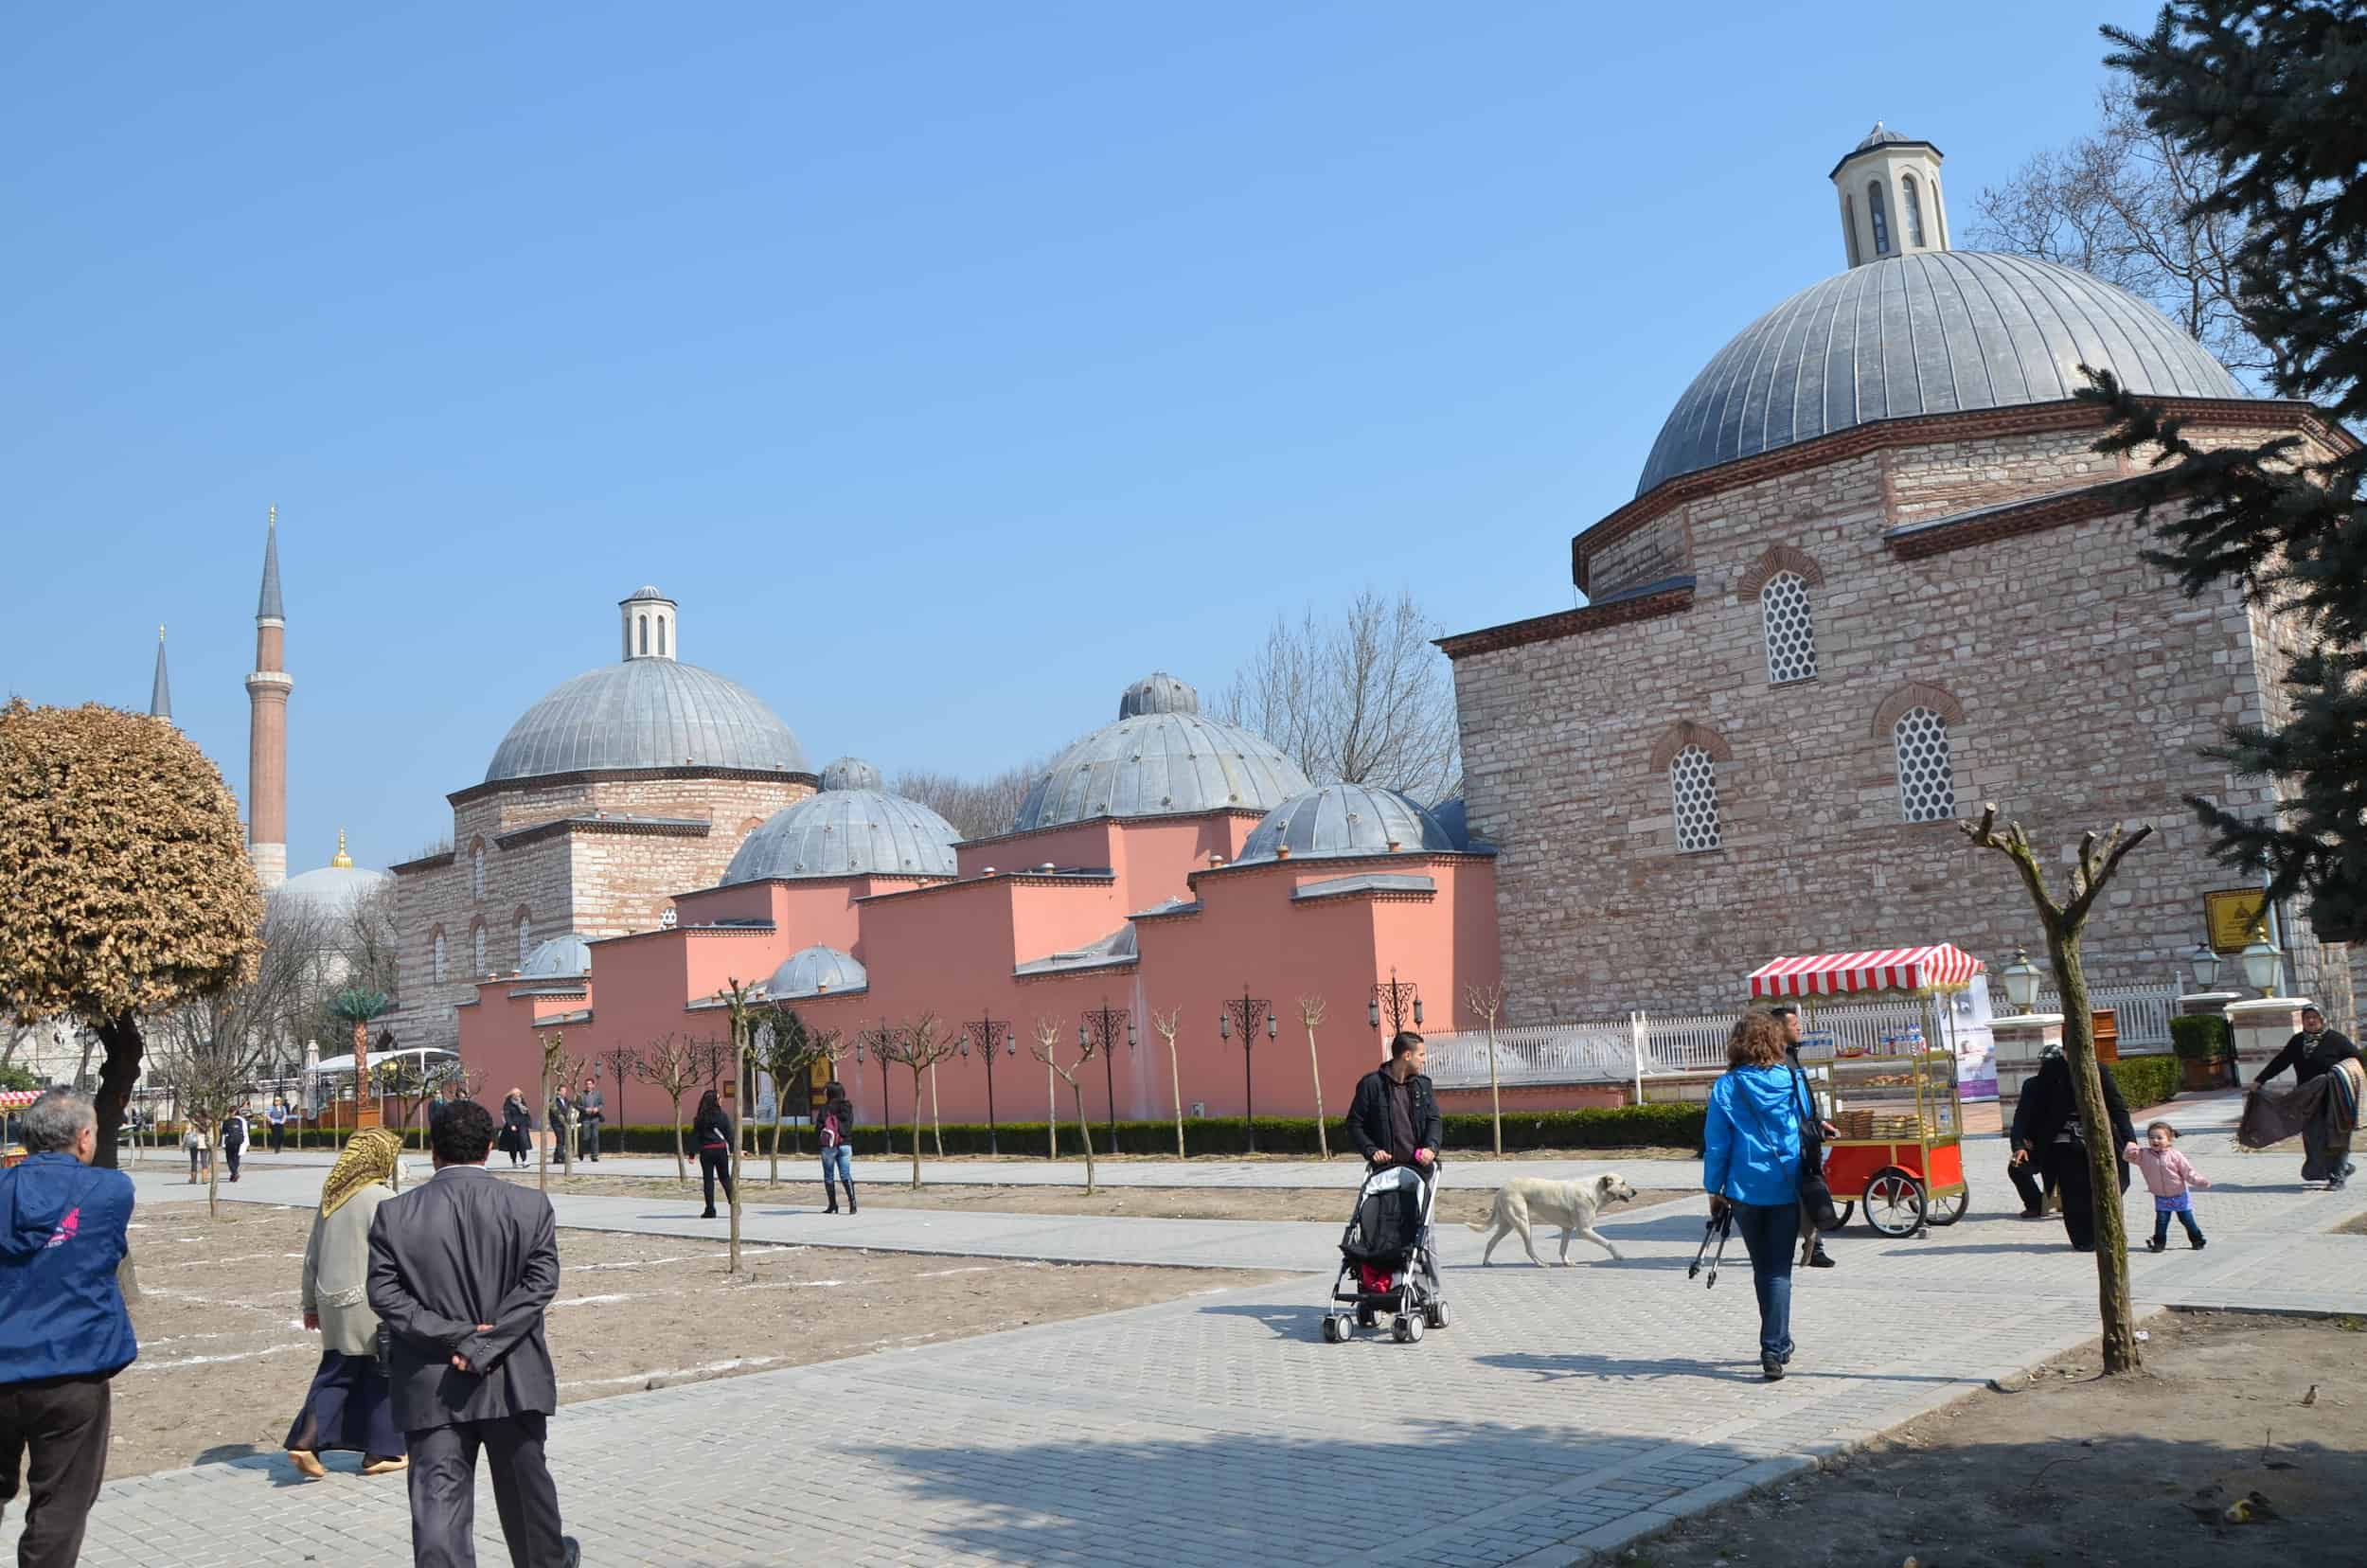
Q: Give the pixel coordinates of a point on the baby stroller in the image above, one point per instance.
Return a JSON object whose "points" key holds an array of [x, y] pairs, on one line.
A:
{"points": [[1387, 1261]]}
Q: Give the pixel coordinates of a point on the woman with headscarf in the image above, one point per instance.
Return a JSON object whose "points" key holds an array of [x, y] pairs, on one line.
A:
{"points": [[348, 1406], [711, 1130], [2052, 1135]]}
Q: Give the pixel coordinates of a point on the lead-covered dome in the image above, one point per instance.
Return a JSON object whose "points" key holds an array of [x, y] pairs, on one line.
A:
{"points": [[815, 972], [1926, 332], [1346, 819], [559, 958], [329, 892], [850, 828], [647, 713], [1162, 757]]}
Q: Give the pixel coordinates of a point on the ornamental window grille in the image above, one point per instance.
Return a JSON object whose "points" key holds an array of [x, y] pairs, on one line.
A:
{"points": [[476, 870], [522, 943], [478, 943], [1790, 629], [1926, 776], [1914, 209], [438, 958], [1880, 215], [1693, 789]]}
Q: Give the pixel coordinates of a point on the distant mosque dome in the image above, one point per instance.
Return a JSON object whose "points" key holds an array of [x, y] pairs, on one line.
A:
{"points": [[1346, 819], [1162, 757], [330, 891], [561, 958], [817, 971], [648, 711], [852, 828]]}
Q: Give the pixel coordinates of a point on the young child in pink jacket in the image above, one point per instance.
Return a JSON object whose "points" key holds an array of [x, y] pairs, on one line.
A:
{"points": [[2168, 1175]]}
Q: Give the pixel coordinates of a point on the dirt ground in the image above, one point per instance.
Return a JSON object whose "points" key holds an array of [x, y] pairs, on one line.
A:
{"points": [[2074, 1468], [224, 1360], [882, 1185]]}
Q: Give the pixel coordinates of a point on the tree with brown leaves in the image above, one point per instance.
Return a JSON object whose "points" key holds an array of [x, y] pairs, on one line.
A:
{"points": [[1046, 1050], [2100, 856], [124, 884]]}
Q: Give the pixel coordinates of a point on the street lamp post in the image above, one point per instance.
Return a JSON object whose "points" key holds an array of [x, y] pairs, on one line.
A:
{"points": [[1398, 1000], [2021, 981], [986, 1033], [1244, 1012], [2205, 962], [1100, 1024]]}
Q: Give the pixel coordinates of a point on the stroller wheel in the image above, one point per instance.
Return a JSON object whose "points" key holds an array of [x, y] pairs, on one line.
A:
{"points": [[1408, 1329], [1335, 1329], [1438, 1314]]}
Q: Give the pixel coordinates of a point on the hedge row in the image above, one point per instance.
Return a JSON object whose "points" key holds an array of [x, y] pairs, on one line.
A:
{"points": [[2147, 1080], [2201, 1037]]}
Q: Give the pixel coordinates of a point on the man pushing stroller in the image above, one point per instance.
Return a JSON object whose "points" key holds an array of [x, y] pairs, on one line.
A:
{"points": [[1395, 1115], [1386, 1260]]}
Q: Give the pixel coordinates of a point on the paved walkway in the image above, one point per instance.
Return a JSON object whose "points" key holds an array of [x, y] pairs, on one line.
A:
{"points": [[1566, 1411]]}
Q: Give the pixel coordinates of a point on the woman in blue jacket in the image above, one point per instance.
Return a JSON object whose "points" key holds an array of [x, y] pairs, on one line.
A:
{"points": [[1750, 1164]]}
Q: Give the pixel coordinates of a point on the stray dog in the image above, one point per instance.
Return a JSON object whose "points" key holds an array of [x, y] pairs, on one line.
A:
{"points": [[1572, 1205]]}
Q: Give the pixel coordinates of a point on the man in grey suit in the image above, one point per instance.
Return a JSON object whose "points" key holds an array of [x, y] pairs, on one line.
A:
{"points": [[461, 1269]]}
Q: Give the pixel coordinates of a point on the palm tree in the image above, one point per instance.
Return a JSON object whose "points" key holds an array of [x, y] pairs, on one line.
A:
{"points": [[362, 1009]]}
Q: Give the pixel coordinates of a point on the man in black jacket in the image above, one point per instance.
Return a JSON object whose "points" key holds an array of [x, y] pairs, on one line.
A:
{"points": [[462, 1267], [1395, 1115]]}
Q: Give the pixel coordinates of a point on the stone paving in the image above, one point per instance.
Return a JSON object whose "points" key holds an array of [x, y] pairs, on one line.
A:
{"points": [[1565, 1411]]}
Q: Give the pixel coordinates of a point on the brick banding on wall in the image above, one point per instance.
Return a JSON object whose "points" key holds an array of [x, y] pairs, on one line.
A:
{"points": [[1914, 695], [1775, 561], [1683, 733]]}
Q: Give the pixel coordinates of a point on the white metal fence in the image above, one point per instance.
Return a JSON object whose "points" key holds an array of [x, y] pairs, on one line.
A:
{"points": [[1534, 1053], [2143, 1012]]}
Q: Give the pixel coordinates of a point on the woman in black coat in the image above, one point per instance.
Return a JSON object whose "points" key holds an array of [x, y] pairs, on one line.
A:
{"points": [[711, 1130], [2051, 1135], [517, 1128]]}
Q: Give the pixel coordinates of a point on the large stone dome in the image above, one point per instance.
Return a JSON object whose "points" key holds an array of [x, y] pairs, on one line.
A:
{"points": [[647, 713], [1162, 757], [329, 892], [1928, 332], [851, 828], [1346, 819]]}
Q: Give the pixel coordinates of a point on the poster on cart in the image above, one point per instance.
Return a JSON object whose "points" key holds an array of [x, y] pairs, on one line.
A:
{"points": [[1967, 1017]]}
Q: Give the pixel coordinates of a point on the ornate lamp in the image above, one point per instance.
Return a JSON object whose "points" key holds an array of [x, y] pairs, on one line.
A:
{"points": [[2021, 982], [2264, 961], [2204, 960]]}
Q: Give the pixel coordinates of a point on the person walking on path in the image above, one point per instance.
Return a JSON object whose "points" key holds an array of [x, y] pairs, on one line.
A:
{"points": [[1394, 1118], [517, 1128], [277, 1118], [349, 1407], [2313, 1054], [592, 1110], [233, 1141], [1751, 1168], [833, 1127], [1812, 1251], [2028, 1183], [201, 1150], [2054, 1137], [711, 1129], [462, 1268], [563, 1126], [2168, 1175], [64, 1226]]}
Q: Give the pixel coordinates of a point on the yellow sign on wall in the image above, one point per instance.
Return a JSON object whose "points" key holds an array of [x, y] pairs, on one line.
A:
{"points": [[2229, 917]]}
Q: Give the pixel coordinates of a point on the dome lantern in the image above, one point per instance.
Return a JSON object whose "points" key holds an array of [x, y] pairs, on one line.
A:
{"points": [[1889, 198], [1161, 757], [651, 629]]}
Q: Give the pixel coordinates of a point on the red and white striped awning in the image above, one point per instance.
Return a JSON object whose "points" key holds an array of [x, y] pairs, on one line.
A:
{"points": [[1939, 968], [14, 1100]]}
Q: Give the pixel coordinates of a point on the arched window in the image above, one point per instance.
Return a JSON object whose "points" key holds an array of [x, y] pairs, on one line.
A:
{"points": [[1880, 215], [436, 959], [477, 942], [1693, 791], [661, 636], [1914, 210], [1850, 225], [645, 632], [1927, 775], [1790, 630], [524, 941], [476, 870]]}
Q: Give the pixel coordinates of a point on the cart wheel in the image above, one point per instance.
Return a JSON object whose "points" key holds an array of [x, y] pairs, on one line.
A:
{"points": [[1845, 1210], [1946, 1211], [1894, 1201], [1335, 1329], [1438, 1315], [1410, 1328]]}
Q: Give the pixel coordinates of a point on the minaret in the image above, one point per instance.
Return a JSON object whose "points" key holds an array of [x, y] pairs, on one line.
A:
{"points": [[267, 690], [1890, 197], [160, 693]]}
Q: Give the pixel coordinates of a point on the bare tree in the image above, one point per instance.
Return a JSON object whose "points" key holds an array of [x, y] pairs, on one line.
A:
{"points": [[2118, 203], [919, 1048], [977, 808], [1489, 1001], [620, 1060], [736, 997], [1046, 1050], [1165, 1025], [1360, 698], [1312, 1014], [787, 1050], [209, 1079], [561, 1068], [668, 1062], [2099, 857]]}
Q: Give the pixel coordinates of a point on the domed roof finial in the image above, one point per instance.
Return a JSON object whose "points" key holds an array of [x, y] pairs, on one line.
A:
{"points": [[341, 858], [1158, 692], [851, 773]]}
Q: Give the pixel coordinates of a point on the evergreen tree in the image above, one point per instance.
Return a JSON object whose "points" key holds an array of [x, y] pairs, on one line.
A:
{"points": [[2275, 95]]}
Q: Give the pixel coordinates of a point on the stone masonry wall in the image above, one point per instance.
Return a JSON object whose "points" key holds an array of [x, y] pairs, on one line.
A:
{"points": [[2088, 684]]}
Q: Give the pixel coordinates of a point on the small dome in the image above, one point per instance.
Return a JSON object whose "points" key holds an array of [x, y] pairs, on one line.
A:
{"points": [[1929, 332], [1346, 819], [844, 833], [643, 592], [1162, 757], [647, 713], [851, 773], [561, 958], [1454, 817], [329, 892], [814, 970]]}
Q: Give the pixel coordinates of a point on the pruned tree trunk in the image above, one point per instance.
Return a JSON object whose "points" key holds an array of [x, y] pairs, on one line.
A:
{"points": [[1084, 1130], [1495, 1095], [213, 1179], [1315, 1071], [118, 1070], [915, 1129], [937, 1125], [1052, 1111], [777, 1134], [681, 1172], [1175, 1078]]}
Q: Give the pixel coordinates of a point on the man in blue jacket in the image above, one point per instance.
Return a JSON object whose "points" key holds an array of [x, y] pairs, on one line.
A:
{"points": [[63, 1331]]}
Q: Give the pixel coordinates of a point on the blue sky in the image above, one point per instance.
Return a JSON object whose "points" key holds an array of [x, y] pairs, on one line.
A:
{"points": [[951, 366]]}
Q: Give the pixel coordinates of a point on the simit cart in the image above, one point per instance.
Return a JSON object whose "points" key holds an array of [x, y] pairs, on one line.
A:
{"points": [[1894, 1097]]}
